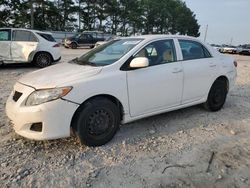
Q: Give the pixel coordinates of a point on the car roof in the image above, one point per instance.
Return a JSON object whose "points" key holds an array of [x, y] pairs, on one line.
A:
{"points": [[27, 30], [160, 36], [92, 32]]}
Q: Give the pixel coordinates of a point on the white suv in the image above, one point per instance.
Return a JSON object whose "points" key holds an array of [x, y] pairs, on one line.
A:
{"points": [[22, 46], [118, 82]]}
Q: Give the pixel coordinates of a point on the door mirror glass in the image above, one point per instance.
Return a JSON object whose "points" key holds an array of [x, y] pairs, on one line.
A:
{"points": [[139, 62]]}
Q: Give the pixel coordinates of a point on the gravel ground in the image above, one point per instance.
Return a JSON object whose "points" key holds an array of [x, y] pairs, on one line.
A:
{"points": [[169, 150]]}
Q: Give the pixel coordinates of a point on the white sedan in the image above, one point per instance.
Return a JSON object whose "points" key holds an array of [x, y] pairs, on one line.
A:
{"points": [[118, 82], [25, 46]]}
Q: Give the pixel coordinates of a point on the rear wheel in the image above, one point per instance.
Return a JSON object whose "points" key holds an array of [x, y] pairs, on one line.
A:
{"points": [[217, 96], [43, 59], [97, 121]]}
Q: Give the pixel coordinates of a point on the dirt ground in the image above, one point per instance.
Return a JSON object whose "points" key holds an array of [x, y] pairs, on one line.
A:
{"points": [[169, 150]]}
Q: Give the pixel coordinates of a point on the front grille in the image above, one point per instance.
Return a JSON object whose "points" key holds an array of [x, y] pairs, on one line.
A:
{"points": [[16, 96]]}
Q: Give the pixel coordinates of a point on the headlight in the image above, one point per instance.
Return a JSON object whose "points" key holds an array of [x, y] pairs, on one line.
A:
{"points": [[46, 95]]}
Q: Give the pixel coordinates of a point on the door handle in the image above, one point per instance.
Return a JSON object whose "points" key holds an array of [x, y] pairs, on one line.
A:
{"points": [[177, 71], [212, 65]]}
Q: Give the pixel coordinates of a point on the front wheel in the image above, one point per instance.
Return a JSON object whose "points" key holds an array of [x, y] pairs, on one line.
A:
{"points": [[97, 121], [74, 45], [217, 96]]}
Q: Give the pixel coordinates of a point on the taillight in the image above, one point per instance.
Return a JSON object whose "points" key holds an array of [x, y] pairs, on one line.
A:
{"points": [[235, 63], [56, 45]]}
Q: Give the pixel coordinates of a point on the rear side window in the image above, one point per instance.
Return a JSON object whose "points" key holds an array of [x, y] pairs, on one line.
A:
{"points": [[47, 37], [100, 35], [24, 36], [193, 50], [86, 36], [5, 35]]}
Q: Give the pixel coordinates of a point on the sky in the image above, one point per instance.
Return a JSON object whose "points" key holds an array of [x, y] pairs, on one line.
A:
{"points": [[227, 20]]}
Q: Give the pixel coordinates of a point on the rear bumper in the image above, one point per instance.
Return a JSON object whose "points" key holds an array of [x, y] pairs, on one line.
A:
{"points": [[232, 79], [58, 59]]}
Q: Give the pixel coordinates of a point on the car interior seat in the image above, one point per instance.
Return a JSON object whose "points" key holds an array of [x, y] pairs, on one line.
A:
{"points": [[168, 56], [143, 53]]}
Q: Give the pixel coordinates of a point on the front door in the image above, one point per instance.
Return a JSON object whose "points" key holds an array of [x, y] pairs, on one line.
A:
{"points": [[85, 40], [5, 42], [23, 44], [158, 86]]}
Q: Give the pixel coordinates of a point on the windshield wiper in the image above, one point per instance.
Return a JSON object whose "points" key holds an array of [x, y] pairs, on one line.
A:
{"points": [[77, 61], [87, 63]]}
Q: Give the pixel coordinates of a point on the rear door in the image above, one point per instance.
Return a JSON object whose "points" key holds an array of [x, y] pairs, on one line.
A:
{"points": [[23, 44], [199, 70], [5, 43]]}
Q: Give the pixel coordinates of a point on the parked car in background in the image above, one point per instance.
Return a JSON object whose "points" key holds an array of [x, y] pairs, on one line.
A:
{"points": [[100, 43], [104, 42], [244, 50], [121, 81], [217, 47], [87, 38], [26, 46], [229, 49]]}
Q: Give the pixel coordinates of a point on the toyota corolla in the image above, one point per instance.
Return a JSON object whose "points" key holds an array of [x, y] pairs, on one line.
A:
{"points": [[118, 82]]}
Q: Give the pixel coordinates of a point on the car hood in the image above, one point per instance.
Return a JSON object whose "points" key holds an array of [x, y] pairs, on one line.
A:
{"points": [[59, 75]]}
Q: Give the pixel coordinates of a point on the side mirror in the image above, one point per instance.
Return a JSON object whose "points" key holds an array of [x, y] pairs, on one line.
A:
{"points": [[139, 62]]}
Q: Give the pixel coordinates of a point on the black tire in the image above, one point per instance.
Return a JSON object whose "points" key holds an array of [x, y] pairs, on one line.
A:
{"points": [[74, 45], [97, 121], [217, 96], [92, 46], [43, 59]]}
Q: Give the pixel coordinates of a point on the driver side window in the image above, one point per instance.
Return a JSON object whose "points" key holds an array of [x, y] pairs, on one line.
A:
{"points": [[159, 52], [85, 36]]}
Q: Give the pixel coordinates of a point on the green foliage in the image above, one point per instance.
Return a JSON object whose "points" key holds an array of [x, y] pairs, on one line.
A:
{"points": [[116, 16], [5, 13]]}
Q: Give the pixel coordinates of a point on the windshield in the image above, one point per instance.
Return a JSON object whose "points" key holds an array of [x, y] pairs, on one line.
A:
{"points": [[108, 53]]}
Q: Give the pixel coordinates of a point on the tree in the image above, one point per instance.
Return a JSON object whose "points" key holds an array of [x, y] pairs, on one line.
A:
{"points": [[5, 13], [169, 16], [65, 18], [115, 16], [186, 24], [88, 14]]}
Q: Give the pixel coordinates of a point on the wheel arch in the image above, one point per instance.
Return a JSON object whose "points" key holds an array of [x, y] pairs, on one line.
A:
{"points": [[224, 78], [74, 42], [39, 52], [221, 78], [112, 98]]}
